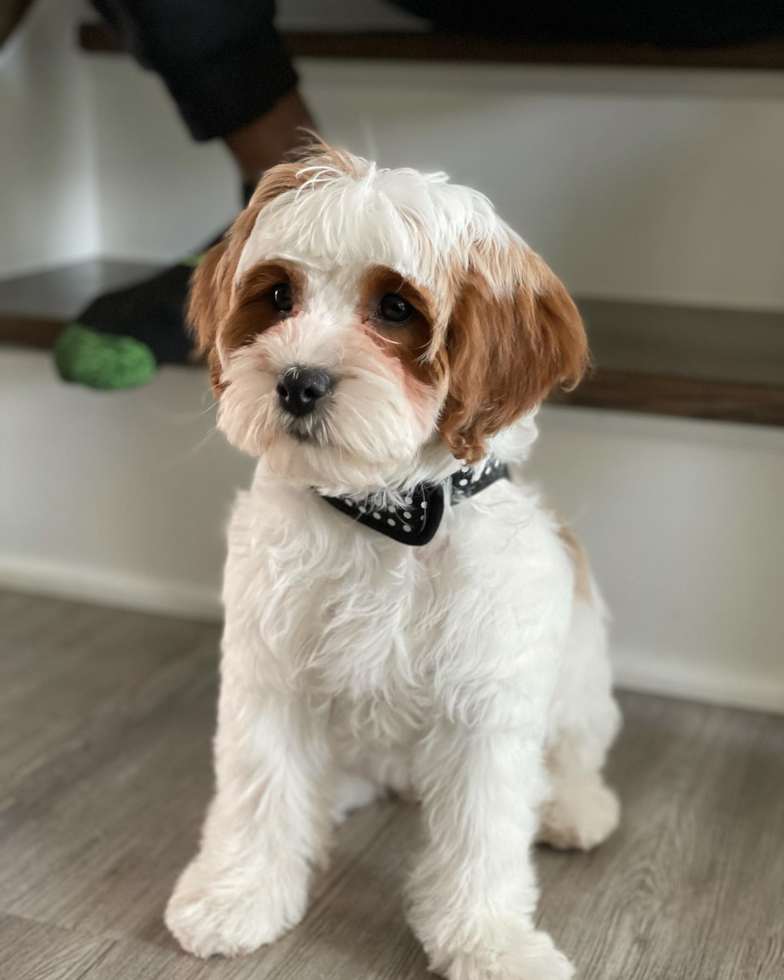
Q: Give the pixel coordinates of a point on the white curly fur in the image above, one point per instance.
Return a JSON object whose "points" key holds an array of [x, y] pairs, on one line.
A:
{"points": [[465, 673]]}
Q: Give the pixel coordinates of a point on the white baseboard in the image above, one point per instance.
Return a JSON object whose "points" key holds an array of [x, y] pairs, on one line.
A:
{"points": [[651, 674], [107, 587], [634, 671]]}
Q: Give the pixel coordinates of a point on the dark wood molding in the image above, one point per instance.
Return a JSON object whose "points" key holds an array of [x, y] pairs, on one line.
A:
{"points": [[433, 46], [29, 331], [731, 369], [462, 48], [623, 391], [696, 398]]}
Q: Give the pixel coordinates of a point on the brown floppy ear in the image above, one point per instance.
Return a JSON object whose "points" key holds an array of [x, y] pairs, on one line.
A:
{"points": [[207, 306], [514, 333]]}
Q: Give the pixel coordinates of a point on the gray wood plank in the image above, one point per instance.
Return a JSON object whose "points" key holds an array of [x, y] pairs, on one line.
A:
{"points": [[35, 951], [105, 772], [94, 673], [690, 886]]}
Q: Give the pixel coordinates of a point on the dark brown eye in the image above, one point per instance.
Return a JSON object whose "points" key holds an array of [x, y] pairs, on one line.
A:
{"points": [[282, 298], [394, 309]]}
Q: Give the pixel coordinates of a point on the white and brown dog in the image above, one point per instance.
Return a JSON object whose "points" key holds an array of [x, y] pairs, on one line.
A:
{"points": [[381, 340]]}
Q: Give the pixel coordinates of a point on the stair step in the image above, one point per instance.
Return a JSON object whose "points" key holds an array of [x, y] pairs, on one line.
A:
{"points": [[436, 46], [654, 358], [694, 398], [34, 307], [692, 362], [702, 343]]}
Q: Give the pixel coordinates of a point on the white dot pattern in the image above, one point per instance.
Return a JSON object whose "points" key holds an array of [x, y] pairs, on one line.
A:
{"points": [[417, 523], [390, 514]]}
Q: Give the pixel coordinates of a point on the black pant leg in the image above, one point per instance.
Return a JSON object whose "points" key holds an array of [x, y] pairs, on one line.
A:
{"points": [[222, 60]]}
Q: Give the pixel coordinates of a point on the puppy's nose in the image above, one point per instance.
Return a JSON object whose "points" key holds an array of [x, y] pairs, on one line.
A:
{"points": [[299, 389]]}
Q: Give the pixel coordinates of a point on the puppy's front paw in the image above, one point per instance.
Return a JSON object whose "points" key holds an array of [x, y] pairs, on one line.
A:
{"points": [[529, 955], [226, 914], [579, 817]]}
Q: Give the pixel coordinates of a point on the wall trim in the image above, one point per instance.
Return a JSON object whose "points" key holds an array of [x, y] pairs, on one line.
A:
{"points": [[107, 587], [634, 670], [653, 674]]}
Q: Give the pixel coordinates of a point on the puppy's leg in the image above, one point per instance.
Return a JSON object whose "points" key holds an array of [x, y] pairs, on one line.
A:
{"points": [[352, 793], [474, 891], [269, 822], [580, 811]]}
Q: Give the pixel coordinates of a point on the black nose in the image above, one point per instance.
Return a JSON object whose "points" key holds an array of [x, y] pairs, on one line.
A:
{"points": [[300, 388]]}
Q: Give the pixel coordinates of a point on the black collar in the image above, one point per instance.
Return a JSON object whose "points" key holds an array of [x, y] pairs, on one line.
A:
{"points": [[418, 519]]}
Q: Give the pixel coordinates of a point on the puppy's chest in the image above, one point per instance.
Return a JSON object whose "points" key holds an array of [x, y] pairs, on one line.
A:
{"points": [[402, 633], [373, 635], [370, 622], [346, 620]]}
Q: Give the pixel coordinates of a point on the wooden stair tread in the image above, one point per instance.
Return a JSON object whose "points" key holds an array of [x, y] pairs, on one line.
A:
{"points": [[654, 358], [437, 46], [696, 398], [711, 344], [36, 306], [60, 293]]}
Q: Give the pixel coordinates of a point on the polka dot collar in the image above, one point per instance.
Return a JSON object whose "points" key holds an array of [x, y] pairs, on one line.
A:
{"points": [[416, 521]]}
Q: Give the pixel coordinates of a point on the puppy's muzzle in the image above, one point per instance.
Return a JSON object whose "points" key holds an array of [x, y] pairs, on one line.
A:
{"points": [[300, 389]]}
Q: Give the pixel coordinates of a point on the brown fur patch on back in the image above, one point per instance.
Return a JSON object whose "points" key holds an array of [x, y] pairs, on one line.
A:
{"points": [[578, 556]]}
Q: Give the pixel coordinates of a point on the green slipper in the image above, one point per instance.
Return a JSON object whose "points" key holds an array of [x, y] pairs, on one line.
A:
{"points": [[101, 360]]}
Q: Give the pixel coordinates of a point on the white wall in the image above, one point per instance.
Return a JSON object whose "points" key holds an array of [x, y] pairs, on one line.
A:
{"points": [[633, 185], [163, 195], [122, 497], [652, 185], [47, 176], [160, 195], [637, 185], [683, 520]]}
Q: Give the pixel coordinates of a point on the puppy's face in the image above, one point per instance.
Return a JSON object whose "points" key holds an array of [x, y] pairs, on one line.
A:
{"points": [[366, 328]]}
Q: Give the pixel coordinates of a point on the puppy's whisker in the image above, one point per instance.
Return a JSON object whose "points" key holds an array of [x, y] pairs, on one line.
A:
{"points": [[195, 450]]}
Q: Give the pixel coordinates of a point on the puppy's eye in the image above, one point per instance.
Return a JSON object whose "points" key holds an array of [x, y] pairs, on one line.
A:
{"points": [[394, 309], [282, 298]]}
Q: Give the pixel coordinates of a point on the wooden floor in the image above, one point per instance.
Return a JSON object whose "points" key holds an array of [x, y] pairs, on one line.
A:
{"points": [[105, 772]]}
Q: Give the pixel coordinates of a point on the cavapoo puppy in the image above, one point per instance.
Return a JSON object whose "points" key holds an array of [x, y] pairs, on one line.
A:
{"points": [[400, 612]]}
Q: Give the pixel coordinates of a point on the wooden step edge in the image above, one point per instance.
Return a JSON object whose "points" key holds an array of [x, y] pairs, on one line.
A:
{"points": [[622, 391], [26, 331], [696, 398], [435, 46]]}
